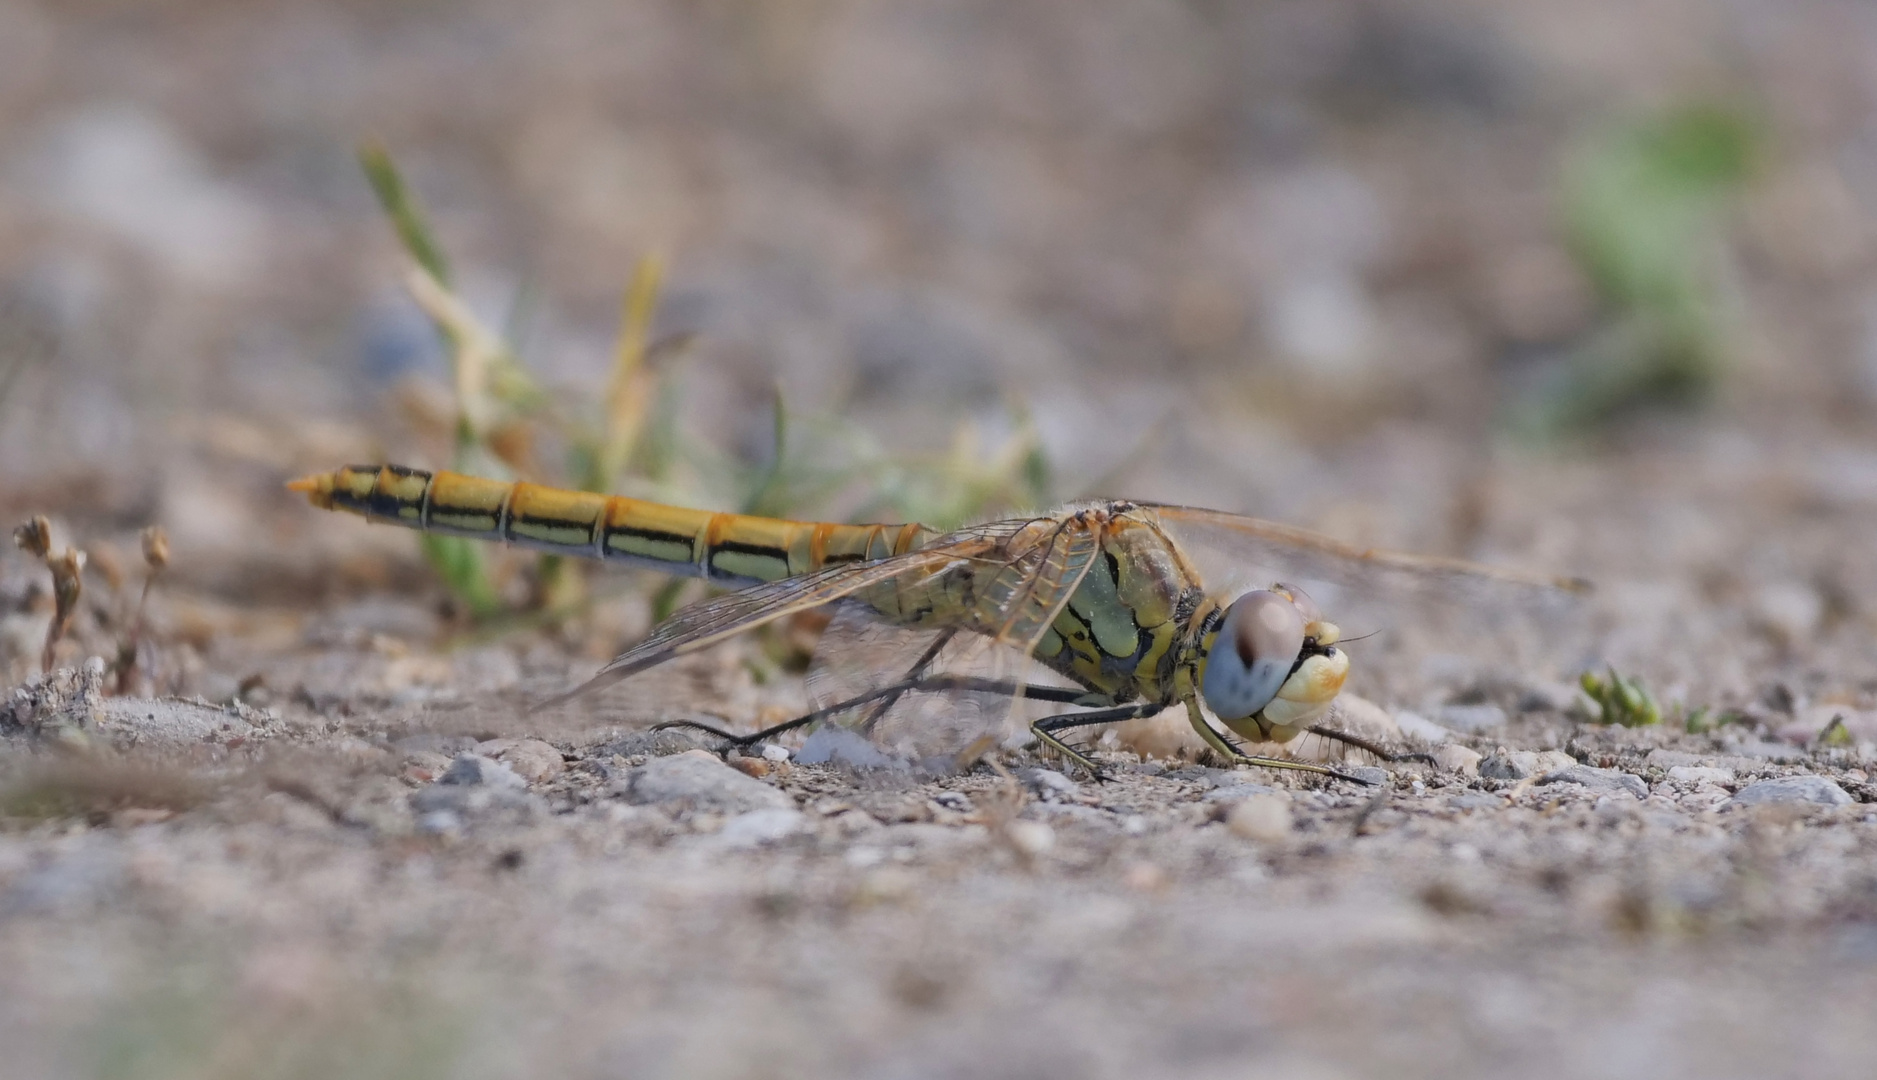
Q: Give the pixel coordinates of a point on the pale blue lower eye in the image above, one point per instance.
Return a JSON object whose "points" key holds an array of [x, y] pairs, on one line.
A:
{"points": [[1235, 691]]}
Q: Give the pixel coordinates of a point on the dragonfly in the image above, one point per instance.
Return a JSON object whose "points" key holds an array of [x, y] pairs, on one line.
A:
{"points": [[1107, 597]]}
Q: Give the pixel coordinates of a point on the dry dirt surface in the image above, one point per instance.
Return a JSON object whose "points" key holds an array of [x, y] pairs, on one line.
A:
{"points": [[1317, 260], [370, 860]]}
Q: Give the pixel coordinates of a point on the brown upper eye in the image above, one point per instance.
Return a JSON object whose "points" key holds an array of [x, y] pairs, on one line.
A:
{"points": [[1266, 626]]}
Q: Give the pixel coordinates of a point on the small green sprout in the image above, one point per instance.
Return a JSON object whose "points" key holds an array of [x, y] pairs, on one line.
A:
{"points": [[1836, 735], [1645, 209], [632, 443], [1621, 701]]}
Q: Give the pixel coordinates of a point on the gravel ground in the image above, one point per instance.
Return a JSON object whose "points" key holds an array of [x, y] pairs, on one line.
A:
{"points": [[1298, 259]]}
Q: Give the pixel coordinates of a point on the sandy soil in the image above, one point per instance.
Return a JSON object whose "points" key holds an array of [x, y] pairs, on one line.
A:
{"points": [[1291, 259]]}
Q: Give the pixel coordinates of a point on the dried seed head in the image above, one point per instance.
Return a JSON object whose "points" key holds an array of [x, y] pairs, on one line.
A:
{"points": [[67, 584], [35, 536], [156, 548], [67, 567]]}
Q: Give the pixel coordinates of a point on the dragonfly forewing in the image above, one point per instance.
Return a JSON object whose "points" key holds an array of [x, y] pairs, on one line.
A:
{"points": [[1422, 619]]}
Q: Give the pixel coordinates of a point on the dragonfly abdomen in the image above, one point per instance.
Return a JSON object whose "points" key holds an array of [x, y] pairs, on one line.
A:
{"points": [[672, 539]]}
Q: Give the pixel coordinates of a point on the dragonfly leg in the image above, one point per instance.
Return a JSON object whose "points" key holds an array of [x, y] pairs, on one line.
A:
{"points": [[1046, 728], [1366, 746], [935, 684], [913, 674], [1235, 756]]}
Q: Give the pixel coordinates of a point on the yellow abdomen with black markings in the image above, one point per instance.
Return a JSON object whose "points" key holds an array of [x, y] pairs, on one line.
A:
{"points": [[699, 543]]}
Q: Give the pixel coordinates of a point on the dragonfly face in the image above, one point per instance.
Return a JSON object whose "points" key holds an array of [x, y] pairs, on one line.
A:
{"points": [[1274, 662]]}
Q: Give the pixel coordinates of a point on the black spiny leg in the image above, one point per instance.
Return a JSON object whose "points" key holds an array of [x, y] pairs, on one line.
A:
{"points": [[933, 685], [1366, 746], [1046, 728]]}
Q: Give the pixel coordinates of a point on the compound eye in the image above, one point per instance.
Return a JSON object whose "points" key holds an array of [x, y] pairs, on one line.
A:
{"points": [[1266, 626], [1259, 641]]}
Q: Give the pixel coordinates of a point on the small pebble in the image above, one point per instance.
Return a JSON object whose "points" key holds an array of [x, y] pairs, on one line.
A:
{"points": [[532, 759], [759, 827], [1047, 782], [1476, 800], [749, 766], [424, 767], [696, 777], [1264, 819], [440, 823], [1601, 781], [1416, 726], [772, 752], [1519, 764], [1031, 838], [1793, 789], [475, 770], [1458, 759]]}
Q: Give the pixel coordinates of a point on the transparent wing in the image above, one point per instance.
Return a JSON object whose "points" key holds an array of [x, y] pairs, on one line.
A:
{"points": [[1435, 621], [930, 693], [920, 697], [709, 622]]}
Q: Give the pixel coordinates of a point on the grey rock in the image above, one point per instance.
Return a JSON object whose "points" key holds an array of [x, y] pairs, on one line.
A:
{"points": [[832, 744], [1603, 781], [478, 802], [66, 698], [1476, 800], [1818, 790], [533, 760], [470, 770], [1047, 782], [1470, 718], [1519, 764], [440, 823], [1415, 726], [654, 743], [759, 827], [698, 779], [1243, 790], [1669, 759], [1546, 697], [1369, 774], [1459, 759], [172, 722]]}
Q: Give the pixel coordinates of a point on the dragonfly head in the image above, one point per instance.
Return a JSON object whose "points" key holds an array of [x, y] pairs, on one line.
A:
{"points": [[1274, 656]]}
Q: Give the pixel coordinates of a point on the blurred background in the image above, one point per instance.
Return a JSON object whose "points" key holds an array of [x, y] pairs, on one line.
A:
{"points": [[1578, 286], [1582, 287]]}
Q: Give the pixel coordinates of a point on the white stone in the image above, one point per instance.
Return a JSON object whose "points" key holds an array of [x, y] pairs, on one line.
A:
{"points": [[1459, 759], [758, 827], [1265, 819], [1031, 838]]}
